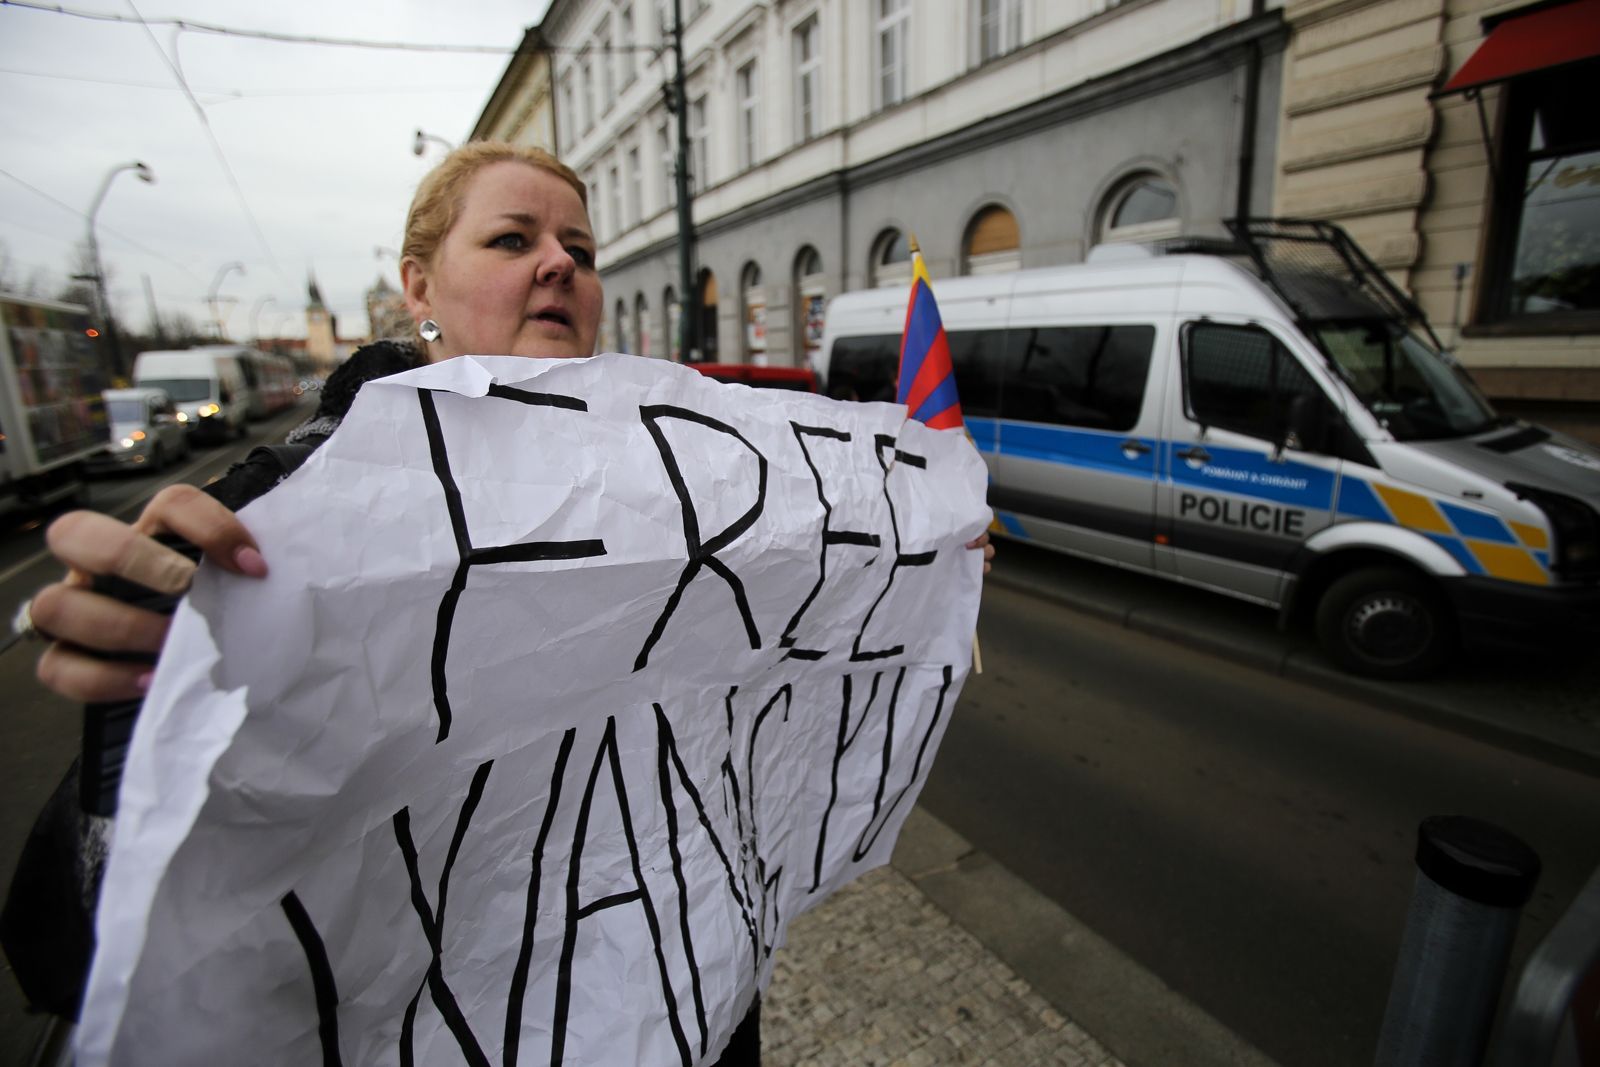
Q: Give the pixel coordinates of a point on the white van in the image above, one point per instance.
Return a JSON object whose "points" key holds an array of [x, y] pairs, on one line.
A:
{"points": [[207, 385], [1259, 418]]}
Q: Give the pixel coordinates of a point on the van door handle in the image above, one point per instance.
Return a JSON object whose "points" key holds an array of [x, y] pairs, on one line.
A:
{"points": [[1133, 448], [1196, 454]]}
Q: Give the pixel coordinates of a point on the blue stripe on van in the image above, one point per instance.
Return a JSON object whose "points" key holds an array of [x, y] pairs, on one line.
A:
{"points": [[1245, 473], [1357, 499], [1457, 549], [984, 433], [1476, 525], [1077, 448], [1011, 525]]}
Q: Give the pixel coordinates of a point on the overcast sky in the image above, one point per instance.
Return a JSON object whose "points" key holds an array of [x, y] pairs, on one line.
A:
{"points": [[319, 139]]}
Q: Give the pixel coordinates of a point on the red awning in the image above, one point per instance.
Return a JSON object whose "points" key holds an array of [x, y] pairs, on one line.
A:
{"points": [[1536, 41]]}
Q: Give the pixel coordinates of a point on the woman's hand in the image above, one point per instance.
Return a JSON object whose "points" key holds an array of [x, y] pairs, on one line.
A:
{"points": [[82, 623], [988, 549]]}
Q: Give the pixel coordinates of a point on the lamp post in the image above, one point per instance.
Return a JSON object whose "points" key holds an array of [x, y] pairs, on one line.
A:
{"points": [[147, 176], [420, 144], [211, 295], [255, 314]]}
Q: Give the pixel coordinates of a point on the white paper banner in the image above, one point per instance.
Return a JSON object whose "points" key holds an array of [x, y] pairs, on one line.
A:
{"points": [[573, 683]]}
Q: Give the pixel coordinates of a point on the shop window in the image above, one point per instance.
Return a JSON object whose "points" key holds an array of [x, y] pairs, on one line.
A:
{"points": [[753, 301], [1140, 209], [641, 316], [891, 260], [1546, 226], [810, 301], [622, 333], [993, 243]]}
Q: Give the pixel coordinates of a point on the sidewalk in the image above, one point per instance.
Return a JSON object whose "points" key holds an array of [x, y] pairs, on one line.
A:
{"points": [[944, 957]]}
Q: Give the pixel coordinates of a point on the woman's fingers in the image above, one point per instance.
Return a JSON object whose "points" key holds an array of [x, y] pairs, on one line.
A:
{"points": [[90, 680], [988, 549], [90, 543], [203, 522], [79, 617]]}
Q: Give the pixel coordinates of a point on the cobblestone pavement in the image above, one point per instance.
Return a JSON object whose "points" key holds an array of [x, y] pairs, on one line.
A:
{"points": [[878, 975]]}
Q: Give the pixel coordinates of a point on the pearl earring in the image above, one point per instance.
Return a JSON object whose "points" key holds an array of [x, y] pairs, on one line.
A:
{"points": [[429, 330]]}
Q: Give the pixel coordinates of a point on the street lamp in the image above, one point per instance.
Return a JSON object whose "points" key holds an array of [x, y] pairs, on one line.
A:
{"points": [[420, 143], [255, 314], [211, 296], [147, 176]]}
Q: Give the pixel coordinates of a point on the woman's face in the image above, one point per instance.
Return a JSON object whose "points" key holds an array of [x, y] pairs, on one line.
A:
{"points": [[515, 274]]}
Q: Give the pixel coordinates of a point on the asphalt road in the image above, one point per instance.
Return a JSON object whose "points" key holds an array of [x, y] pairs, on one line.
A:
{"points": [[1245, 836], [41, 732]]}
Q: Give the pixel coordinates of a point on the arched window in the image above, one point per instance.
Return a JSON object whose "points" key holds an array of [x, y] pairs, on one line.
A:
{"points": [[810, 298], [753, 308], [708, 315], [891, 260], [1141, 208], [641, 328], [622, 325], [993, 243], [671, 339]]}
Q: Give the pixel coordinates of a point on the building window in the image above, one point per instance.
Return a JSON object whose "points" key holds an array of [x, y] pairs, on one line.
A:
{"points": [[635, 186], [569, 113], [641, 316], [891, 260], [810, 300], [748, 88], [1141, 209], [999, 26], [622, 325], [993, 243], [608, 88], [807, 79], [753, 299], [708, 316], [699, 150], [669, 163], [619, 221], [1547, 213], [587, 78], [664, 20], [893, 17], [596, 215], [625, 57]]}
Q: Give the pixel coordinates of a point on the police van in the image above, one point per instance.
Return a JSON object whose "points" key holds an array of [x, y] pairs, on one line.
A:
{"points": [[1267, 417]]}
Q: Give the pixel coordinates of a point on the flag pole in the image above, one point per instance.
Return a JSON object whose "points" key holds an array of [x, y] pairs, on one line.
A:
{"points": [[916, 255]]}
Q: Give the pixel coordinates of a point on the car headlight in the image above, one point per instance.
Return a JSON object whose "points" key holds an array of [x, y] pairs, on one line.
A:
{"points": [[126, 442], [183, 416], [1576, 553]]}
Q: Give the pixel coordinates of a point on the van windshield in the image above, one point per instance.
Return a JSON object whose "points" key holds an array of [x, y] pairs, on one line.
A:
{"points": [[1415, 392], [126, 410], [181, 390]]}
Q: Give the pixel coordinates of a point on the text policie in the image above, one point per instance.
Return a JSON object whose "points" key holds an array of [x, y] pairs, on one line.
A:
{"points": [[528, 832], [1243, 514]]}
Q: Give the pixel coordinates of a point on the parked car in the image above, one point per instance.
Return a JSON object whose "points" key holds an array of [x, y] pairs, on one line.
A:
{"points": [[761, 377], [147, 431]]}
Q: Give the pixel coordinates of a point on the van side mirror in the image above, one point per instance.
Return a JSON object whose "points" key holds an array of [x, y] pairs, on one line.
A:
{"points": [[1305, 426]]}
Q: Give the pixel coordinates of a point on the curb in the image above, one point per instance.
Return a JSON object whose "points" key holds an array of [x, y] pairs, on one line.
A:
{"points": [[1119, 1003]]}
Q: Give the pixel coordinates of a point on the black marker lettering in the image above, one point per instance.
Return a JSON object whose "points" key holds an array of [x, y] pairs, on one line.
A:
{"points": [[846, 738], [863, 844], [702, 552], [470, 557], [884, 442], [830, 536], [322, 984]]}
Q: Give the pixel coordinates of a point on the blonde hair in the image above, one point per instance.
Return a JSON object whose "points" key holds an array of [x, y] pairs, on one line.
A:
{"points": [[438, 201]]}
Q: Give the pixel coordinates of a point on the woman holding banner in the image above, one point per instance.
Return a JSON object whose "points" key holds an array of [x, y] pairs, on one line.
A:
{"points": [[498, 258]]}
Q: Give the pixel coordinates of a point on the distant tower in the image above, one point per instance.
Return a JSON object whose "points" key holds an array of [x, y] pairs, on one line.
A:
{"points": [[322, 328], [386, 312]]}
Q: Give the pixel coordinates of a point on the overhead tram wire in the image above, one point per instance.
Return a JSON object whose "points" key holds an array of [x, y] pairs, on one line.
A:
{"points": [[216, 147], [247, 94], [338, 42]]}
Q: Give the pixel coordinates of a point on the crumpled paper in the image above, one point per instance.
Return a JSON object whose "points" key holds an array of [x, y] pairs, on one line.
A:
{"points": [[573, 683]]}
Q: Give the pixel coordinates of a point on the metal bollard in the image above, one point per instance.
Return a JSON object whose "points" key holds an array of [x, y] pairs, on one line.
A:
{"points": [[1472, 881]]}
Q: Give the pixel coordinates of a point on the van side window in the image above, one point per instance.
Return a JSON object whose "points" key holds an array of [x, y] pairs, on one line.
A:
{"points": [[864, 368], [976, 357], [1241, 378], [1090, 376]]}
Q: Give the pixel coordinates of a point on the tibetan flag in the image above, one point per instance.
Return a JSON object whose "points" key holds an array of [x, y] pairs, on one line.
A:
{"points": [[927, 379]]}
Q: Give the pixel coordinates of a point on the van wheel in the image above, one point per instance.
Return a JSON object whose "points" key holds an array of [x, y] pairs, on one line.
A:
{"points": [[1384, 622]]}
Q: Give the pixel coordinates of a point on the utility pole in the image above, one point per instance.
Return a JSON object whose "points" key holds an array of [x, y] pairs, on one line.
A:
{"points": [[688, 294]]}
